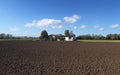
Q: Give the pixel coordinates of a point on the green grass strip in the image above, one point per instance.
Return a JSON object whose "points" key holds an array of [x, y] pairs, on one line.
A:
{"points": [[99, 40]]}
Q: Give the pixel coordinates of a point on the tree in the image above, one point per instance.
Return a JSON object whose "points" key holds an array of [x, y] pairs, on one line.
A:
{"points": [[44, 35], [67, 33], [2, 36], [90, 37]]}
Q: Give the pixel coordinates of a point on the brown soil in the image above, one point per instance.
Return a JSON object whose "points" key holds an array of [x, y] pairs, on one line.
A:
{"points": [[59, 58]]}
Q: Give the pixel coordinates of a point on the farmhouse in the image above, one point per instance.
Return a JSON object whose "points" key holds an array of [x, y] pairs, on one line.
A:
{"points": [[56, 37], [60, 37], [71, 37]]}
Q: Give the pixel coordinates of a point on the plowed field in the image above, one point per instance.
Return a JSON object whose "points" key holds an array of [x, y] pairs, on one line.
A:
{"points": [[59, 58]]}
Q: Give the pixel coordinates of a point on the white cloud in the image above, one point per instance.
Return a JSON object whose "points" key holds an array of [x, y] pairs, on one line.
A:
{"points": [[31, 24], [44, 23], [75, 27], [72, 19], [101, 29], [14, 29], [52, 23], [115, 26], [83, 26]]}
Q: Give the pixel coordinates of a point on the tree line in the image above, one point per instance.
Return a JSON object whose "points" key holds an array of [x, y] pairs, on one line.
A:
{"points": [[44, 36], [99, 37], [6, 36], [10, 36]]}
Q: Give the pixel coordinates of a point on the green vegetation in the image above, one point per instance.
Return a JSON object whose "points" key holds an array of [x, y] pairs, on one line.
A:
{"points": [[44, 35], [91, 37], [67, 33], [9, 37], [99, 37], [99, 40], [24, 39]]}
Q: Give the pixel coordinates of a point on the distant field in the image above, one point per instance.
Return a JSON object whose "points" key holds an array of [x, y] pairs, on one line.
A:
{"points": [[77, 40], [59, 58], [99, 40], [18, 39]]}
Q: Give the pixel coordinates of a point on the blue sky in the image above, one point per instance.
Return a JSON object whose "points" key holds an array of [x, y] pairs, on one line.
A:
{"points": [[30, 17]]}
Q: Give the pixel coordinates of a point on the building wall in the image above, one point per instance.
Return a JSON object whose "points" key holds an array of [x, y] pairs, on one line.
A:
{"points": [[69, 38]]}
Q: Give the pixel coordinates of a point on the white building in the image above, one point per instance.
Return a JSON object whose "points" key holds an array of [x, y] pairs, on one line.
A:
{"points": [[72, 38], [60, 37]]}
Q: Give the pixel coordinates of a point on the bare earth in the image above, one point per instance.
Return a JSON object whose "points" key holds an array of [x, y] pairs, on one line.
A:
{"points": [[59, 58]]}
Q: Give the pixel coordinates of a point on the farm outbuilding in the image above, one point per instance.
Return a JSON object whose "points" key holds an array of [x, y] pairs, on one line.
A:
{"points": [[60, 37], [71, 37], [56, 37]]}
